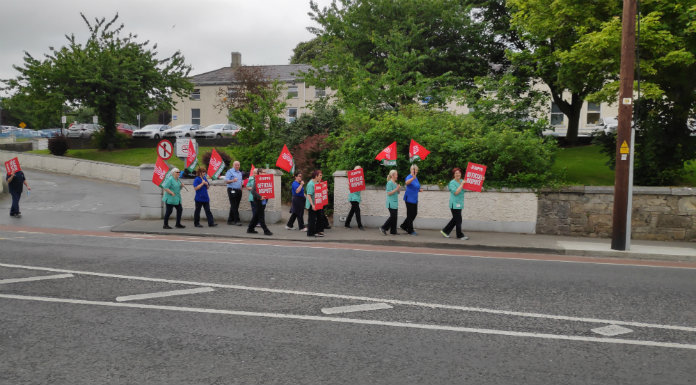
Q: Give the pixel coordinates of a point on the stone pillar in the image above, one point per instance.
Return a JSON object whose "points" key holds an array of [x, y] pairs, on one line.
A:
{"points": [[151, 206]]}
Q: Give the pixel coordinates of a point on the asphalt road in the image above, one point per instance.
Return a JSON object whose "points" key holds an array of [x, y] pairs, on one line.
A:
{"points": [[81, 305]]}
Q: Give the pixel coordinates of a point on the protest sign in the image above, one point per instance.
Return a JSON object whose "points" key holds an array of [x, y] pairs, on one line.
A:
{"points": [[12, 166], [264, 185], [356, 180], [475, 175]]}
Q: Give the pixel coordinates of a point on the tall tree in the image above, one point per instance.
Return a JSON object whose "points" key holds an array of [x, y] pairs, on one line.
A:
{"points": [[549, 29], [107, 71], [386, 54]]}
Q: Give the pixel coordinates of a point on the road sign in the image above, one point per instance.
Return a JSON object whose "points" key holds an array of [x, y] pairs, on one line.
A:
{"points": [[165, 149], [22, 125]]}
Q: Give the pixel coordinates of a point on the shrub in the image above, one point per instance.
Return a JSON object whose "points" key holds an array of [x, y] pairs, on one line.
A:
{"points": [[58, 145], [100, 140]]}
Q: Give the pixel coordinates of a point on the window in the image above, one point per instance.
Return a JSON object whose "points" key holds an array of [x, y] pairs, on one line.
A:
{"points": [[196, 94], [292, 114], [319, 92], [292, 91], [195, 116], [556, 115], [593, 112]]}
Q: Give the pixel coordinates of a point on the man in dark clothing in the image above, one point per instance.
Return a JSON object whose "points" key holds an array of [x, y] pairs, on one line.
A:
{"points": [[16, 182]]}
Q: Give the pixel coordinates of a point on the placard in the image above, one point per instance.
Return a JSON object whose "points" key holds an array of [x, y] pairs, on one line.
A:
{"points": [[321, 195], [356, 180], [264, 185], [475, 175], [12, 166]]}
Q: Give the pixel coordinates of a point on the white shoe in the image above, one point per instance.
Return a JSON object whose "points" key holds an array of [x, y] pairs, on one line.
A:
{"points": [[303, 229], [444, 234], [289, 228]]}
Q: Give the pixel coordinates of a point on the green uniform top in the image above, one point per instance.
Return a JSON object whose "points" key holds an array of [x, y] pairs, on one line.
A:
{"points": [[354, 197], [250, 184], [456, 201], [175, 186], [310, 191], [392, 200]]}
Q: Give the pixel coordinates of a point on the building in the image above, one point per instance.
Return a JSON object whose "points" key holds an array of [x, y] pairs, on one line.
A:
{"points": [[200, 106]]}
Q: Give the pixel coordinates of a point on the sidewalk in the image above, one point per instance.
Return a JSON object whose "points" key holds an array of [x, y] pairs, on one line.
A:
{"points": [[525, 243]]}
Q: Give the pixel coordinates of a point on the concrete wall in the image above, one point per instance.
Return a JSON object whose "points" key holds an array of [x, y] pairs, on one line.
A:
{"points": [[152, 207], [78, 167], [501, 211], [659, 213]]}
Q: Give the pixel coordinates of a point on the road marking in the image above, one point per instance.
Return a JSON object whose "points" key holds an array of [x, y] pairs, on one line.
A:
{"points": [[354, 308], [161, 294], [356, 321], [612, 330], [40, 278], [365, 299]]}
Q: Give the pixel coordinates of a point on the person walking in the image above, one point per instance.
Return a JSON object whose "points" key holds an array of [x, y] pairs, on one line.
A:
{"points": [[456, 204], [354, 199], [314, 221], [298, 203], [172, 198], [413, 187], [200, 185], [392, 203], [16, 182], [234, 178], [259, 205]]}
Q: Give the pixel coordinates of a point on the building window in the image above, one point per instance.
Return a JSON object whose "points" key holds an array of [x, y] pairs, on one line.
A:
{"points": [[319, 92], [195, 116], [292, 114], [593, 112], [196, 94], [556, 115], [292, 91]]}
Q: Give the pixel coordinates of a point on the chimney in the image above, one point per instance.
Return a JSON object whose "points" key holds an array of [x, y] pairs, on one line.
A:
{"points": [[236, 60]]}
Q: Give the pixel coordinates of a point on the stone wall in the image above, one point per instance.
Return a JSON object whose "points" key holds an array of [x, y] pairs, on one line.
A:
{"points": [[658, 213]]}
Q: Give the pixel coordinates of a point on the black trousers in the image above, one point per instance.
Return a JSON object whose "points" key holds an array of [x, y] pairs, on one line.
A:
{"points": [[411, 213], [235, 197], [354, 209], [390, 224], [14, 209], [168, 212], [315, 222], [456, 222], [208, 214], [298, 204], [259, 216]]}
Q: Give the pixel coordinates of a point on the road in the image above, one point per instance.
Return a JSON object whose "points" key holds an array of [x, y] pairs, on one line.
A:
{"points": [[80, 305]]}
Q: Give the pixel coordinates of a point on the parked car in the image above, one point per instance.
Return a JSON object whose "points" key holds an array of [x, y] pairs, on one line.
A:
{"points": [[217, 131], [82, 130], [152, 131], [181, 131], [7, 129], [609, 125], [49, 132], [125, 128]]}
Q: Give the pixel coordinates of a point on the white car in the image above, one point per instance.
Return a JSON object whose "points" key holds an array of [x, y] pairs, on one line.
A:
{"points": [[82, 130], [609, 125], [217, 131], [152, 131], [181, 131]]}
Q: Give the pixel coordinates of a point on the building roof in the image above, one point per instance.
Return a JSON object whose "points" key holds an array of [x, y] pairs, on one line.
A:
{"points": [[226, 75]]}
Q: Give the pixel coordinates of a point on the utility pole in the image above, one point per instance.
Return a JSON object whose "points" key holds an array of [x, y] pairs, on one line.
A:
{"points": [[622, 189]]}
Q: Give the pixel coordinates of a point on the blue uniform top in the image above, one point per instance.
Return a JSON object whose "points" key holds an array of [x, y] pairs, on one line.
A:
{"points": [[295, 185], [411, 195], [231, 174], [201, 193]]}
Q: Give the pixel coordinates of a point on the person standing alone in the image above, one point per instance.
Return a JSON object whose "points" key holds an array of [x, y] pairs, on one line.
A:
{"points": [[16, 182]]}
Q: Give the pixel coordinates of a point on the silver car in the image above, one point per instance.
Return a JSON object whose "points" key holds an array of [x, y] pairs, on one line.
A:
{"points": [[82, 130], [152, 131], [181, 131], [217, 131]]}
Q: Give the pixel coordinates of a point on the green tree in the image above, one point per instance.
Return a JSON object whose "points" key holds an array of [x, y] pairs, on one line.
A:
{"points": [[384, 54], [550, 29], [308, 51], [108, 71]]}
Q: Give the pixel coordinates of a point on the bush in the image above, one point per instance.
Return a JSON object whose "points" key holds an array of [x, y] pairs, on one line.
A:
{"points": [[101, 141], [58, 145]]}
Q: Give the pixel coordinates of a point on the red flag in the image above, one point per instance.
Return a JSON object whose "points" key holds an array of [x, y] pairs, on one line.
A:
{"points": [[475, 175], [388, 153], [191, 156], [12, 166], [215, 166], [161, 170], [285, 159], [416, 151]]}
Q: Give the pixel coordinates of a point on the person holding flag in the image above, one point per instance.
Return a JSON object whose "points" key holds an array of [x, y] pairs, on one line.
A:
{"points": [[392, 203], [298, 203], [172, 198], [200, 185], [413, 187]]}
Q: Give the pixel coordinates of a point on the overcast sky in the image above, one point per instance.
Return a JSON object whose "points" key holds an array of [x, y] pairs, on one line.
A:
{"points": [[205, 31]]}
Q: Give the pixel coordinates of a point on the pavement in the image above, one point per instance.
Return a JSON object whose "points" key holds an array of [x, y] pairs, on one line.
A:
{"points": [[490, 241]]}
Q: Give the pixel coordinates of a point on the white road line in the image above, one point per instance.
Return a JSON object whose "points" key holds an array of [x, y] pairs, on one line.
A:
{"points": [[30, 279], [354, 308], [357, 321], [366, 299], [161, 294]]}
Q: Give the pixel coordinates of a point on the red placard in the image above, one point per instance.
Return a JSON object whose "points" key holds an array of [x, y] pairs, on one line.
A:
{"points": [[12, 166], [321, 195], [475, 175], [161, 170], [285, 159], [264, 185], [356, 180]]}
